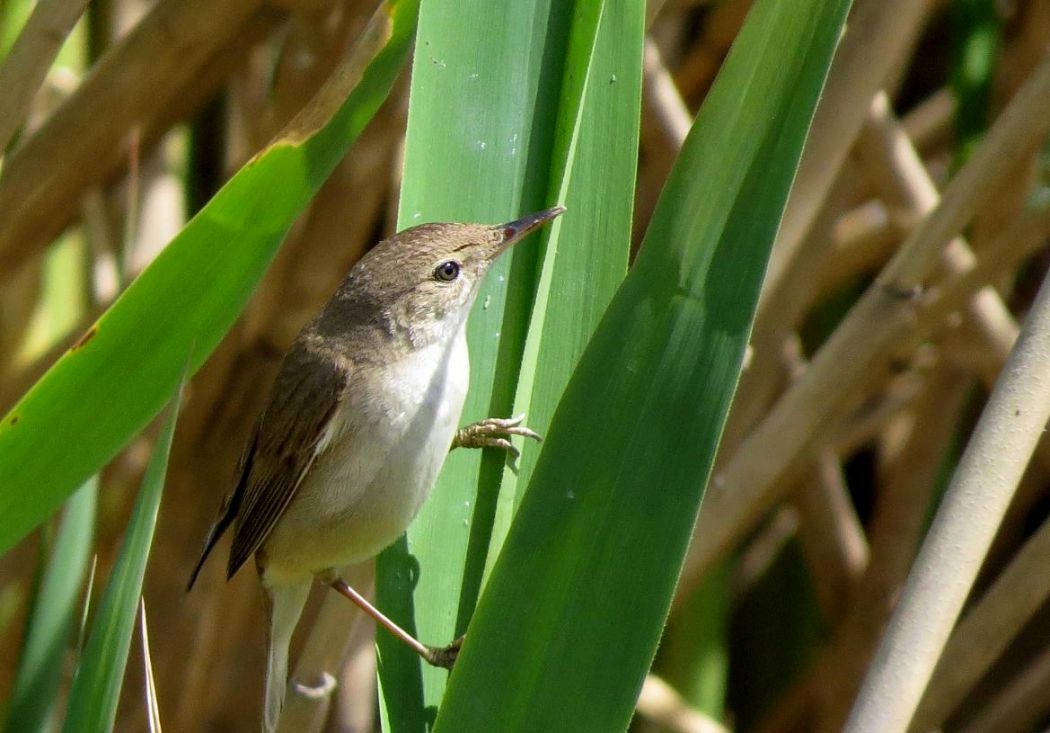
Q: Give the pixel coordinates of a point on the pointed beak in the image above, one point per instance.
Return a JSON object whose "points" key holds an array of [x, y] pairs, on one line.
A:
{"points": [[515, 231]]}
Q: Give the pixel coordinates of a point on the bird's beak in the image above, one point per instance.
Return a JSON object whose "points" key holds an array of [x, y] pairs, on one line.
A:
{"points": [[515, 231]]}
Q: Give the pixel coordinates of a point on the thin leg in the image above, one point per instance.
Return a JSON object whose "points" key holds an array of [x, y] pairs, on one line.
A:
{"points": [[437, 656]]}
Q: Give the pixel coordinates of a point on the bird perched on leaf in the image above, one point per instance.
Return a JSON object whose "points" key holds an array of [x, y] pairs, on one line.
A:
{"points": [[363, 411]]}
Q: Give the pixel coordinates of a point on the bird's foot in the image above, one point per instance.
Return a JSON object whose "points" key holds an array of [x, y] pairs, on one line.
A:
{"points": [[494, 432], [444, 656]]}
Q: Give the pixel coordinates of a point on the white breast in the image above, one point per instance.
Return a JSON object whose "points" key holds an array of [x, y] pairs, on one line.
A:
{"points": [[381, 456]]}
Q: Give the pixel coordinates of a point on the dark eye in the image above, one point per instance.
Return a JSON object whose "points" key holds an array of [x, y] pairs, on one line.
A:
{"points": [[447, 271]]}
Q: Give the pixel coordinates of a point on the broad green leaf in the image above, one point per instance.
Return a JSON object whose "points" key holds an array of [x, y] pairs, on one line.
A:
{"points": [[109, 386], [51, 616], [96, 684], [488, 143], [585, 257], [482, 108], [569, 621]]}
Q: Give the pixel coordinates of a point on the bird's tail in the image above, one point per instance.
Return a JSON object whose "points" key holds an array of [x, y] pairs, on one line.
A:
{"points": [[286, 604]]}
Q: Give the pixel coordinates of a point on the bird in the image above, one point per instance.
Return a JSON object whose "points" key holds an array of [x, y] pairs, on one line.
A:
{"points": [[363, 410]]}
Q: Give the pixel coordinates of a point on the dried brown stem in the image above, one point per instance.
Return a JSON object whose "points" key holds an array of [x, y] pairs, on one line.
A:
{"points": [[929, 124], [660, 703], [663, 99], [154, 70], [760, 554], [879, 35], [1021, 705], [698, 68], [832, 538], [906, 490], [893, 162], [869, 335], [863, 239], [333, 632], [26, 65], [983, 634], [851, 432]]}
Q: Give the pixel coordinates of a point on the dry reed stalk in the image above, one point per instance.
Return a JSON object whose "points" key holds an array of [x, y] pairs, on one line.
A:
{"points": [[19, 297], [863, 239], [944, 571], [355, 710], [929, 124], [662, 98], [791, 519], [157, 69], [660, 703], [898, 519], [1022, 704], [869, 335], [758, 556], [26, 64], [867, 236], [987, 628], [853, 431], [316, 674], [703, 58], [832, 538], [900, 177], [819, 700], [18, 302], [902, 180], [905, 493], [879, 35]]}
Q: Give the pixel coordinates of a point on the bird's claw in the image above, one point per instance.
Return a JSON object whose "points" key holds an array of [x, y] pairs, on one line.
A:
{"points": [[444, 656], [493, 432]]}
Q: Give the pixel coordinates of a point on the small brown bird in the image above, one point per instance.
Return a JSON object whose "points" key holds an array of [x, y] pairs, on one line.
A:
{"points": [[361, 416]]}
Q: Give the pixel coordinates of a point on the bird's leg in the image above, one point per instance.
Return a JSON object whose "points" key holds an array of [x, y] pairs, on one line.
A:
{"points": [[438, 656], [494, 433]]}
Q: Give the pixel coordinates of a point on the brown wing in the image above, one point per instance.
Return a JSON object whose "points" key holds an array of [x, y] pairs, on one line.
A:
{"points": [[282, 448], [305, 397]]}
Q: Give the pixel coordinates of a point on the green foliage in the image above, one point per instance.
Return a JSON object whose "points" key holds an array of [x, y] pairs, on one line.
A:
{"points": [[520, 132], [96, 685], [569, 558], [577, 600], [51, 615], [112, 383]]}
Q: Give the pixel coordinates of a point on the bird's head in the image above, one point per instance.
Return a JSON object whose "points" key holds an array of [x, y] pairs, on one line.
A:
{"points": [[423, 281]]}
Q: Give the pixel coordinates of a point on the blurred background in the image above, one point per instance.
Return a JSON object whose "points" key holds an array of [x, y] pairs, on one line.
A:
{"points": [[149, 108]]}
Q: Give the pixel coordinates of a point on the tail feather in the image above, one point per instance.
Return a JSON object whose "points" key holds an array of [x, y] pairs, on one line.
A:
{"points": [[231, 506], [286, 605], [214, 534]]}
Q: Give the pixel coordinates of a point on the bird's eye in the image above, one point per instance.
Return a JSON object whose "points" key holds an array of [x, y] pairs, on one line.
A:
{"points": [[447, 271]]}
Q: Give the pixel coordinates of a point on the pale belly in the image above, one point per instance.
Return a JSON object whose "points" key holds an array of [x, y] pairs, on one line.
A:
{"points": [[367, 486]]}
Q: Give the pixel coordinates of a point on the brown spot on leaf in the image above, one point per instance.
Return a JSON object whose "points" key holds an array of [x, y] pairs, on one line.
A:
{"points": [[14, 419], [88, 335]]}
